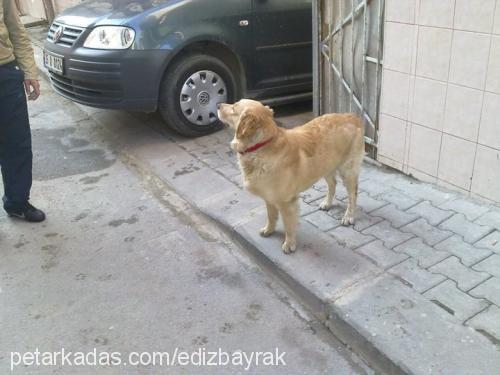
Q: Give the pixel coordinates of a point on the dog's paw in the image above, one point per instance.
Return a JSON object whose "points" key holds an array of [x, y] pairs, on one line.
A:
{"points": [[266, 232], [347, 220], [289, 247], [325, 206]]}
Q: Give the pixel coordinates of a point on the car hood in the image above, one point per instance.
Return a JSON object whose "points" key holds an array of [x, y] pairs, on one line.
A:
{"points": [[111, 12]]}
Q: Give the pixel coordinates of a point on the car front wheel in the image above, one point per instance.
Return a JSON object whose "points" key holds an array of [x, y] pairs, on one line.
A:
{"points": [[190, 92]]}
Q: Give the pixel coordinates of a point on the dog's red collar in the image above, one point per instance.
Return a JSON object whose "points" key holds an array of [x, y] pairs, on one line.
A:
{"points": [[256, 147]]}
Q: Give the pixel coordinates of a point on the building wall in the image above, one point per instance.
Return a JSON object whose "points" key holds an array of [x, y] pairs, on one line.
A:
{"points": [[440, 109], [33, 8]]}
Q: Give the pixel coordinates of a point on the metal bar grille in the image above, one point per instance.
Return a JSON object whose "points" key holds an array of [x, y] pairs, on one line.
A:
{"points": [[348, 54]]}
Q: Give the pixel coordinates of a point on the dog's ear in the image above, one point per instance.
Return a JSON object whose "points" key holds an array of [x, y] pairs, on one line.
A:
{"points": [[247, 124]]}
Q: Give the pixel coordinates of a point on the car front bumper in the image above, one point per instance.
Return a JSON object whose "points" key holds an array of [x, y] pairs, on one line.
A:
{"points": [[121, 79]]}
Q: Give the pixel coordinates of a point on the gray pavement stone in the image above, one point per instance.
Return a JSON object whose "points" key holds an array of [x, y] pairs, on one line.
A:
{"points": [[415, 333], [321, 186], [394, 215], [336, 212], [401, 200], [214, 162], [229, 171], [232, 207], [381, 255], [433, 215], [387, 233], [194, 181], [364, 220], [425, 255], [457, 303], [467, 253], [470, 231], [306, 209], [466, 278], [321, 265], [373, 187], [208, 141], [424, 191], [415, 276], [491, 242], [189, 145], [340, 191], [491, 219], [487, 321], [429, 234], [311, 195], [369, 204], [321, 220], [467, 207], [347, 236], [490, 265], [490, 290]]}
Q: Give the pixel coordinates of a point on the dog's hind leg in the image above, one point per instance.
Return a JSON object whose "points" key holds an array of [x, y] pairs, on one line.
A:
{"points": [[332, 186], [289, 213], [272, 219], [350, 179]]}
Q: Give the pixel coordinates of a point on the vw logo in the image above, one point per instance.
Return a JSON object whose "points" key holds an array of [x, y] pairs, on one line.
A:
{"points": [[204, 98], [58, 34]]}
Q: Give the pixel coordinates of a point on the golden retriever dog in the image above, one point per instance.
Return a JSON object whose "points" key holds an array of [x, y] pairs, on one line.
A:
{"points": [[278, 164]]}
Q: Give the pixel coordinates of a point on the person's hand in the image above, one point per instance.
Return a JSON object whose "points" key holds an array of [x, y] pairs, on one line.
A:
{"points": [[32, 87]]}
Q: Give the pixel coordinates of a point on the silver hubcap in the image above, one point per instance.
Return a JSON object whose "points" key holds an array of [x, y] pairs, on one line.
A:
{"points": [[200, 95]]}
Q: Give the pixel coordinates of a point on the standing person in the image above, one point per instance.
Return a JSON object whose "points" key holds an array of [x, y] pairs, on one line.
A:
{"points": [[18, 78]]}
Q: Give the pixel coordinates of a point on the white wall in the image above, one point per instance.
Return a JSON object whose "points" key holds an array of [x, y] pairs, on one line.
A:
{"points": [[33, 8], [440, 111]]}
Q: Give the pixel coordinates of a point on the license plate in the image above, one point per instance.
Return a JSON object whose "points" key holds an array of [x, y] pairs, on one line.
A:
{"points": [[54, 63]]}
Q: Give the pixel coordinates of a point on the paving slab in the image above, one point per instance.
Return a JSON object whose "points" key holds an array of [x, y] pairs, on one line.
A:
{"points": [[457, 303], [428, 233], [490, 290], [425, 255], [467, 207], [415, 276], [412, 331], [381, 255], [321, 265], [433, 215], [491, 219], [488, 322], [349, 237], [490, 265], [491, 242], [467, 253], [388, 234], [397, 217], [471, 232], [465, 277]]}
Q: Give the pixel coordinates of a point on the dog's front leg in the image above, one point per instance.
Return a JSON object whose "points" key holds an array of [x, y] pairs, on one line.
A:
{"points": [[289, 213], [272, 219]]}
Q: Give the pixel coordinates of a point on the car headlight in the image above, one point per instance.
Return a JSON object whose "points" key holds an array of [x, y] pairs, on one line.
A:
{"points": [[110, 37]]}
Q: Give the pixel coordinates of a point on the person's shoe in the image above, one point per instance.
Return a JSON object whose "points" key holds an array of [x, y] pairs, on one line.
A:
{"points": [[28, 213]]}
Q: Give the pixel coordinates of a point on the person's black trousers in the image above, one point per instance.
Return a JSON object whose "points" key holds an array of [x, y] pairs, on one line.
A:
{"points": [[16, 157]]}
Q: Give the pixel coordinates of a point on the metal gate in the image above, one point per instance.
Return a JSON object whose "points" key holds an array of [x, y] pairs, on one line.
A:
{"points": [[348, 47]]}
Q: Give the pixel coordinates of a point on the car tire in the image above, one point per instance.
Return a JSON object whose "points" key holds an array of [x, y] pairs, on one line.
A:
{"points": [[190, 91]]}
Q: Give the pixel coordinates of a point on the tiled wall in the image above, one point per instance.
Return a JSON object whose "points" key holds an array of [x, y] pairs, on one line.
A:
{"points": [[440, 110]]}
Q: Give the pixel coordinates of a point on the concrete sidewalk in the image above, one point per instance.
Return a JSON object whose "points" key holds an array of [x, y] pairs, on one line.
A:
{"points": [[414, 286]]}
